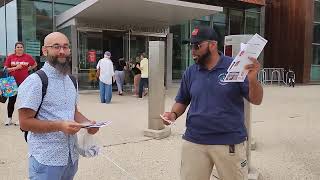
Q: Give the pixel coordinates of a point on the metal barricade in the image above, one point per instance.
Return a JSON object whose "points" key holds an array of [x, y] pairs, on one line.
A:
{"points": [[275, 76], [262, 76], [271, 75]]}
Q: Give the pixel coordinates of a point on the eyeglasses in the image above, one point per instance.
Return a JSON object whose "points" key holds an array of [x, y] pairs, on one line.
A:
{"points": [[58, 47], [197, 46]]}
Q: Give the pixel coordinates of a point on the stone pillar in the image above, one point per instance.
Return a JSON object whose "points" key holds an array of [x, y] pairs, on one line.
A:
{"points": [[74, 50], [156, 128], [247, 116], [253, 174], [169, 60]]}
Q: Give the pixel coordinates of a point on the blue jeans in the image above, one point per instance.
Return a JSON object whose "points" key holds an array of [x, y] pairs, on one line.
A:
{"points": [[39, 171], [120, 80], [105, 92], [143, 83]]}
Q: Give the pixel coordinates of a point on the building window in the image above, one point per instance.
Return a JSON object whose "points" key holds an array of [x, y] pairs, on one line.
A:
{"points": [[61, 6], [3, 32], [315, 66], [220, 26], [236, 23], [317, 11], [180, 52], [252, 22], [8, 28]]}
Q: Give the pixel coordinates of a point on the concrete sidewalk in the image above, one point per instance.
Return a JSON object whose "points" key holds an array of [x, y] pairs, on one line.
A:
{"points": [[286, 127]]}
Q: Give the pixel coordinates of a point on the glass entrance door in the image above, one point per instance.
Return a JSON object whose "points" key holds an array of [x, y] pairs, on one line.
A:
{"points": [[138, 45], [90, 47]]}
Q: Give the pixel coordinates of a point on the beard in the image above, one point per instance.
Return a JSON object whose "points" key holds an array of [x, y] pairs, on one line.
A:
{"points": [[202, 60], [62, 67]]}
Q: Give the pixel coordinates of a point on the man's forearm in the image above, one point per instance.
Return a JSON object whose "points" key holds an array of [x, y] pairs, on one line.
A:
{"points": [[12, 69], [80, 118], [38, 126], [255, 92], [179, 109]]}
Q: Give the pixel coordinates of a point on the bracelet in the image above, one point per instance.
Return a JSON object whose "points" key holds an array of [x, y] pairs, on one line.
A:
{"points": [[175, 115]]}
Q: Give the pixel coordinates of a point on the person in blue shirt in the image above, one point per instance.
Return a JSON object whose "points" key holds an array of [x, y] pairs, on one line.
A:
{"points": [[52, 139], [215, 129]]}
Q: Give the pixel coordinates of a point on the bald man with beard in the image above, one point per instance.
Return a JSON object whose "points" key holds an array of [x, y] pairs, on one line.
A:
{"points": [[52, 136]]}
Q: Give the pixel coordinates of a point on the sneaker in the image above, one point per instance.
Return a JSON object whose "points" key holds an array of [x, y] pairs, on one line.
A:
{"points": [[8, 121], [16, 123]]}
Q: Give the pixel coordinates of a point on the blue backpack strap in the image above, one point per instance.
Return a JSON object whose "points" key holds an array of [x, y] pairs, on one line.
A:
{"points": [[44, 81]]}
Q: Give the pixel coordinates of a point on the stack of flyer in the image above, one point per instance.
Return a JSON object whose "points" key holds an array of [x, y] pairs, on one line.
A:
{"points": [[253, 48]]}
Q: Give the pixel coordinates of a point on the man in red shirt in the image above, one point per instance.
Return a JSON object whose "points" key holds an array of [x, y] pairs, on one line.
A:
{"points": [[18, 65]]}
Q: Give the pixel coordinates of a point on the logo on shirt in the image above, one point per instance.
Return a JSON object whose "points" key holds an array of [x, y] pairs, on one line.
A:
{"points": [[221, 79], [15, 63]]}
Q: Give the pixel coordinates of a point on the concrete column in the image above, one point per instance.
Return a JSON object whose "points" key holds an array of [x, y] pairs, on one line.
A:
{"points": [[74, 50], [156, 128], [262, 32], [247, 116], [169, 60], [253, 174]]}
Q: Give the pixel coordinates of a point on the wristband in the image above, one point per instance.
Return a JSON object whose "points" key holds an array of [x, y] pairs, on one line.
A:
{"points": [[175, 115]]}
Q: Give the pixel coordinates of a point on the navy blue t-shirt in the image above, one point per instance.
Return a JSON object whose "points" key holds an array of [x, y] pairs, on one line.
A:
{"points": [[216, 113]]}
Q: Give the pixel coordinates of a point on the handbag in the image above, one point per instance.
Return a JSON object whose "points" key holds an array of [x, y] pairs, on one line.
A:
{"points": [[3, 99], [8, 85]]}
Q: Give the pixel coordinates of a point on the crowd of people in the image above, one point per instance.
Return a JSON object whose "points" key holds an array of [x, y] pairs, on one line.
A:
{"points": [[114, 71]]}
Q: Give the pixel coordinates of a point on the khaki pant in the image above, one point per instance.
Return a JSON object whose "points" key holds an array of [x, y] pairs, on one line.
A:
{"points": [[197, 161]]}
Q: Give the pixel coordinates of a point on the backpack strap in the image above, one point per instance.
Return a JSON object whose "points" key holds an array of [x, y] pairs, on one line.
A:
{"points": [[44, 81], [74, 81]]}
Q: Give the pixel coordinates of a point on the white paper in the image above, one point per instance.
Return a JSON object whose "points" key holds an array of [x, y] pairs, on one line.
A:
{"points": [[253, 48], [97, 125], [168, 121]]}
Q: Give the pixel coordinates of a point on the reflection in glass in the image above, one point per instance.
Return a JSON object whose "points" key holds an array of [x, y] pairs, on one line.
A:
{"points": [[236, 22], [180, 52], [3, 48], [316, 33], [316, 54], [12, 26], [219, 25], [221, 31], [252, 23], [315, 66], [90, 52], [61, 6], [317, 11]]}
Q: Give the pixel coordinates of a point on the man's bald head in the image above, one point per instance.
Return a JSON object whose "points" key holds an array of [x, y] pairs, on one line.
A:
{"points": [[55, 36], [57, 51]]}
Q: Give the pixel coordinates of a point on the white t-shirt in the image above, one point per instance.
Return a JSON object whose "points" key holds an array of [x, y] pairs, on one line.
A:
{"points": [[106, 70], [144, 67]]}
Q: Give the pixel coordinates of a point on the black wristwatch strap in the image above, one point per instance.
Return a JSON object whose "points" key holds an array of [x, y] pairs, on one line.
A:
{"points": [[175, 115]]}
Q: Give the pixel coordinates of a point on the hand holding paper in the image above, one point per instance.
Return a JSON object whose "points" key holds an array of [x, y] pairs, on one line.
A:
{"points": [[166, 120], [96, 125], [248, 54]]}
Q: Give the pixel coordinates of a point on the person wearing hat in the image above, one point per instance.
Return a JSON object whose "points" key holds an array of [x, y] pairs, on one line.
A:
{"points": [[215, 129], [105, 72]]}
